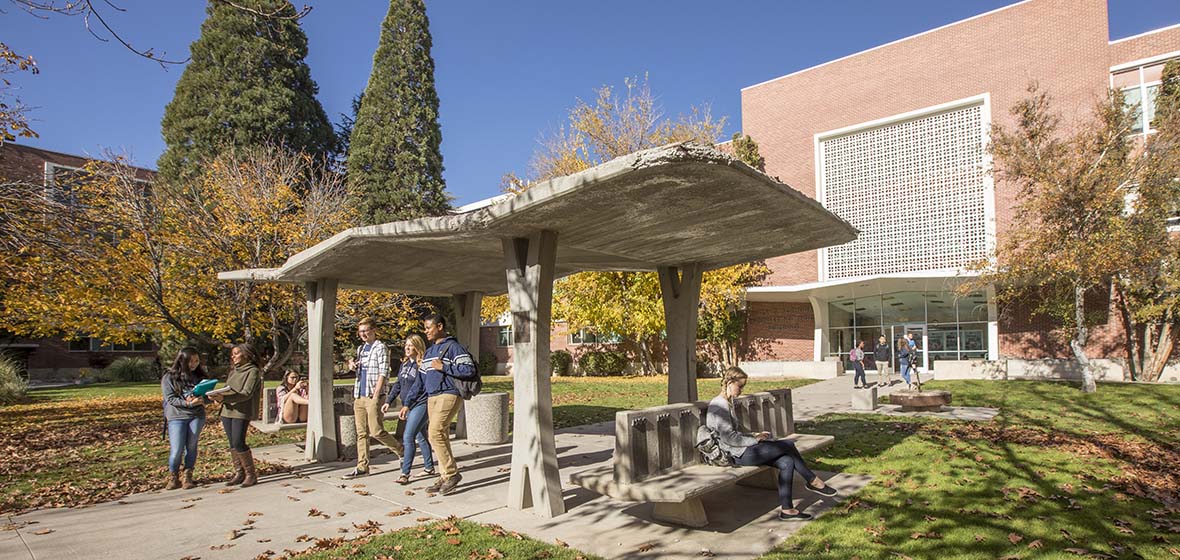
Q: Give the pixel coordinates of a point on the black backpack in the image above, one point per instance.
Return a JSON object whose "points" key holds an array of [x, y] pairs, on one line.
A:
{"points": [[467, 387]]}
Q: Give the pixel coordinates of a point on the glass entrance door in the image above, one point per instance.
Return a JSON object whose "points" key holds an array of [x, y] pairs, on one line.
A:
{"points": [[919, 332]]}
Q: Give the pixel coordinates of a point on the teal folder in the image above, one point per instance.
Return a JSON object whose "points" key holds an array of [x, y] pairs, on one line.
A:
{"points": [[204, 387]]}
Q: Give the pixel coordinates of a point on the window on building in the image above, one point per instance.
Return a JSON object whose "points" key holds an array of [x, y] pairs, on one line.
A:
{"points": [[589, 335], [91, 344], [504, 336]]}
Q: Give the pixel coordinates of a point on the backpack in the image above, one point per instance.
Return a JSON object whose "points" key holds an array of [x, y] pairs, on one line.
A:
{"points": [[467, 387], [709, 446]]}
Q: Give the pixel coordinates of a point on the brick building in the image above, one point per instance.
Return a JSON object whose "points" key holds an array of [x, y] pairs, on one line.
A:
{"points": [[57, 359], [893, 139]]}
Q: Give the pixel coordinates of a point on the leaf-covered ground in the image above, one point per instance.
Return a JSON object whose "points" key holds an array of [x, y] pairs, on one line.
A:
{"points": [[1059, 474], [83, 445]]}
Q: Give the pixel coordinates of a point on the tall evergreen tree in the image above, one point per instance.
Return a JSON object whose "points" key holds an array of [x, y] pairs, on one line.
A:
{"points": [[394, 163], [247, 84]]}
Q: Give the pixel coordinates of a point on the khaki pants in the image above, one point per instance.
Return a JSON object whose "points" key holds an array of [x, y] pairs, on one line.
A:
{"points": [[370, 423], [442, 410], [884, 373]]}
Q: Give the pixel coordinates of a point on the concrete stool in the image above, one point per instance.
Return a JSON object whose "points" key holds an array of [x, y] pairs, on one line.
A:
{"points": [[864, 399], [346, 437], [487, 419]]}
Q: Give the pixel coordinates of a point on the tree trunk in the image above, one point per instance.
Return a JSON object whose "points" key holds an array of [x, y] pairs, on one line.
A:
{"points": [[1163, 351], [1149, 346], [645, 361], [1078, 344], [1131, 340]]}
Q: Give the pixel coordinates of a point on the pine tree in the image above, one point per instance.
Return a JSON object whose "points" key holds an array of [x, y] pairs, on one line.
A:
{"points": [[394, 163], [247, 84]]}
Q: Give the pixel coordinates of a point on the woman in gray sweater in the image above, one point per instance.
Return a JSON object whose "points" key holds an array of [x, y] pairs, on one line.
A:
{"points": [[758, 449], [184, 415]]}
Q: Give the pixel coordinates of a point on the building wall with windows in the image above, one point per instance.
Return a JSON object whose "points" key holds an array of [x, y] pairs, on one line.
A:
{"points": [[893, 139], [55, 358]]}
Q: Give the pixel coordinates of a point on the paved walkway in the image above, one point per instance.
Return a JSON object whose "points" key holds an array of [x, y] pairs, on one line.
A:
{"points": [[278, 513]]}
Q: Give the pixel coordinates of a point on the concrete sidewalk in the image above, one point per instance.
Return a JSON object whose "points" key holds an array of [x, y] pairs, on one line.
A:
{"points": [[200, 522]]}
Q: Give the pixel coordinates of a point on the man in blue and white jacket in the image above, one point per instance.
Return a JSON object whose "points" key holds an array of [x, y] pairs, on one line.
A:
{"points": [[445, 361]]}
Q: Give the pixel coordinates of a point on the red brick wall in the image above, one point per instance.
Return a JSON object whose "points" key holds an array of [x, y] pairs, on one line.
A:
{"points": [[1146, 46], [779, 331], [1024, 334], [1062, 44]]}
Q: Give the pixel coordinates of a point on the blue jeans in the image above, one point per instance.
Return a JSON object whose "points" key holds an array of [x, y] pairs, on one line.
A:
{"points": [[784, 456], [415, 433], [183, 436], [904, 363], [859, 377]]}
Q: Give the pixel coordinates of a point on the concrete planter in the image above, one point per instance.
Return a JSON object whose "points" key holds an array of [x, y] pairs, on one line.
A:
{"points": [[487, 419]]}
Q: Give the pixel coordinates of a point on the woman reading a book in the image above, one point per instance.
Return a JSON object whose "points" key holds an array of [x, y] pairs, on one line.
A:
{"points": [[292, 398], [184, 415], [239, 404]]}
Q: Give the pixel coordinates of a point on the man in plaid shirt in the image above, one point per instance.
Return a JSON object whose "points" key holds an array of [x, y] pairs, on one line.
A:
{"points": [[372, 368]]}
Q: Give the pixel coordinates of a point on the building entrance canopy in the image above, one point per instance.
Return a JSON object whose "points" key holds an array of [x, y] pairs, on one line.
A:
{"points": [[678, 210]]}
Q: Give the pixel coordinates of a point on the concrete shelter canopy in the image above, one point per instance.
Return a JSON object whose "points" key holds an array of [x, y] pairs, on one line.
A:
{"points": [[666, 206]]}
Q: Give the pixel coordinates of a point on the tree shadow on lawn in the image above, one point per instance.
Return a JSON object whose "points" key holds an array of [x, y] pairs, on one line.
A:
{"points": [[940, 492]]}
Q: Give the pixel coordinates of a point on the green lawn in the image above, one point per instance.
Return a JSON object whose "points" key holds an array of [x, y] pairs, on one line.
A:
{"points": [[1059, 474], [446, 539]]}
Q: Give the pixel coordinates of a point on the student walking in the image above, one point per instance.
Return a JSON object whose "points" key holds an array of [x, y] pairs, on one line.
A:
{"points": [[857, 356], [413, 413], [372, 368], [904, 363], [445, 361], [184, 415], [884, 358]]}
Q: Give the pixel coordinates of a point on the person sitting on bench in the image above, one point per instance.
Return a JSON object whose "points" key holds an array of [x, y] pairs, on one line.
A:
{"points": [[758, 449], [292, 398]]}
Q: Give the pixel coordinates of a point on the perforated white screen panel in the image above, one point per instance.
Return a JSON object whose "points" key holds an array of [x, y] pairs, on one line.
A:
{"points": [[914, 189]]}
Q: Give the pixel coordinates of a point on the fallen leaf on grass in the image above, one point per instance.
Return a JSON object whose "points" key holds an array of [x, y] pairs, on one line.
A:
{"points": [[1014, 538], [559, 542], [1035, 544], [979, 538], [454, 541], [929, 535], [1078, 551]]}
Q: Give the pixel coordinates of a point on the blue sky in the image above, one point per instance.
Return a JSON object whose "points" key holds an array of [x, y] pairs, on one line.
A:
{"points": [[507, 72]]}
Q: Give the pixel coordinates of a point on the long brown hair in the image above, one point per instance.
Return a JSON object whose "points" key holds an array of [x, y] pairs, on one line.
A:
{"points": [[287, 375]]}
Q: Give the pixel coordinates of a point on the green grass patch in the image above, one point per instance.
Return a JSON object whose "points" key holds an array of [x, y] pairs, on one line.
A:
{"points": [[1058, 474], [446, 539]]}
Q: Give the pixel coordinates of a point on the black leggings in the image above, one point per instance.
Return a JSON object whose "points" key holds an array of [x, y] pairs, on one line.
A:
{"points": [[782, 455], [235, 430]]}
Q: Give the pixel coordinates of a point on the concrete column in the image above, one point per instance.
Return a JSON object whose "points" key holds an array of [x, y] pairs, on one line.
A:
{"points": [[681, 290], [321, 327], [467, 331], [535, 481]]}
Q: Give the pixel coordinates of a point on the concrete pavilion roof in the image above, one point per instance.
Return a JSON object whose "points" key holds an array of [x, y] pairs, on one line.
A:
{"points": [[664, 206]]}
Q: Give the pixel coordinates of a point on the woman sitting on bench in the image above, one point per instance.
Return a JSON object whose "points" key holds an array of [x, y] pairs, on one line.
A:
{"points": [[758, 449], [292, 398]]}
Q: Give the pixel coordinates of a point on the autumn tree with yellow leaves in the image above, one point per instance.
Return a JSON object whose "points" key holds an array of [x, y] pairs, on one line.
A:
{"points": [[628, 304]]}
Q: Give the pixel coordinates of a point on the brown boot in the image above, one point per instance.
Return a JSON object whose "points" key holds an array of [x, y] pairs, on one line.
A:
{"points": [[173, 481], [247, 458], [188, 483], [239, 470]]}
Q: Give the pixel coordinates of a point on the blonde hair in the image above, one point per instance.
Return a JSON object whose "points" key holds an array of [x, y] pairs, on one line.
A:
{"points": [[732, 374], [419, 346]]}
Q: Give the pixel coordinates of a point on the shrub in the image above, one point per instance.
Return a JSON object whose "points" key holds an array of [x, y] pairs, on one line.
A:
{"points": [[602, 363], [130, 369], [487, 363], [560, 362], [13, 386]]}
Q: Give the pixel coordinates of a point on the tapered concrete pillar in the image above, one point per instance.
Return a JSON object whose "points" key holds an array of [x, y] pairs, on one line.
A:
{"points": [[680, 287], [535, 481], [321, 327], [467, 331]]}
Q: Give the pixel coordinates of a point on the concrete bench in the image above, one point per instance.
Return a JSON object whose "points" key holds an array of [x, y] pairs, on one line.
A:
{"points": [[655, 458], [270, 424]]}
